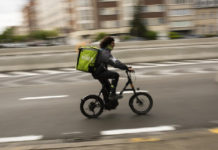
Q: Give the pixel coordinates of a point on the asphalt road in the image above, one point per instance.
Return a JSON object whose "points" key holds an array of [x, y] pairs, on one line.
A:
{"points": [[184, 98]]}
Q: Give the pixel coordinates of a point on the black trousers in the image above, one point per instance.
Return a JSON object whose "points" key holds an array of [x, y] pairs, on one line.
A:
{"points": [[107, 86]]}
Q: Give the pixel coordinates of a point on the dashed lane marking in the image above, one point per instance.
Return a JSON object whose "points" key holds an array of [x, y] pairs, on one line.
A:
{"points": [[4, 76], [21, 138], [138, 130], [196, 70], [168, 72], [43, 97], [48, 71], [20, 73], [68, 69], [72, 133]]}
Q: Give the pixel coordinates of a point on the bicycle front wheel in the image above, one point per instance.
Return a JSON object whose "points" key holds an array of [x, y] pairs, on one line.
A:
{"points": [[92, 106], [141, 103]]}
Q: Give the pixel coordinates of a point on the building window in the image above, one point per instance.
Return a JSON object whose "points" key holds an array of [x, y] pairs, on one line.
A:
{"points": [[130, 2], [180, 1], [85, 15], [153, 8], [181, 12], [180, 24], [108, 11], [86, 26], [84, 3], [154, 21], [107, 0], [110, 24], [128, 12]]}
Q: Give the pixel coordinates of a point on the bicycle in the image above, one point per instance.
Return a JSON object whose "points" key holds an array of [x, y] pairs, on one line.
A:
{"points": [[140, 102]]}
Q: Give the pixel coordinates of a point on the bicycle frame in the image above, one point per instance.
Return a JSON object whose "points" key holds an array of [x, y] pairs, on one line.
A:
{"points": [[129, 82]]}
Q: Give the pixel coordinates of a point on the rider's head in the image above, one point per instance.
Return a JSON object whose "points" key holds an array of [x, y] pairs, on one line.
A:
{"points": [[107, 42]]}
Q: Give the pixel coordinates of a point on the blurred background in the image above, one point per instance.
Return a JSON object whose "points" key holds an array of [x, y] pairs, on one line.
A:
{"points": [[55, 22], [171, 44]]}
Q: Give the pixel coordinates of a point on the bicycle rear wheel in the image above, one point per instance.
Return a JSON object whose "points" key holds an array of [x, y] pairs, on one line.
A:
{"points": [[92, 106], [141, 103]]}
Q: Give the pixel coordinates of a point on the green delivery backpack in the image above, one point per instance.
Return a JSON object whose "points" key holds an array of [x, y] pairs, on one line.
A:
{"points": [[87, 57]]}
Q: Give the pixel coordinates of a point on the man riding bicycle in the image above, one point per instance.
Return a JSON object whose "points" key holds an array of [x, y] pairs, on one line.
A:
{"points": [[102, 73]]}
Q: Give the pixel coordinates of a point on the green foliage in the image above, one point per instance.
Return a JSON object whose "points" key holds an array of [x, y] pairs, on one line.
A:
{"points": [[209, 35], [8, 35], [1, 38], [151, 35], [125, 37], [100, 36], [20, 38], [175, 35], [43, 35]]}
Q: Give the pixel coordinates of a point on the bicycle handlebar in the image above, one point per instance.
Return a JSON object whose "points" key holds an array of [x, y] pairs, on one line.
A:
{"points": [[131, 71]]}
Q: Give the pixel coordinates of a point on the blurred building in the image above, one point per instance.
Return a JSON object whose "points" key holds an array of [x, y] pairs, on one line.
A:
{"points": [[29, 17], [20, 30], [114, 16], [94, 16], [206, 21], [84, 18], [181, 16], [53, 15]]}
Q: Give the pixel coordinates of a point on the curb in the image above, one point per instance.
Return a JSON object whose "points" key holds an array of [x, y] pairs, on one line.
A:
{"points": [[168, 139]]}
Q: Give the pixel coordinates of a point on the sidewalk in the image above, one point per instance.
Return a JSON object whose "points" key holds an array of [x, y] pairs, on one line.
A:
{"points": [[203, 139]]}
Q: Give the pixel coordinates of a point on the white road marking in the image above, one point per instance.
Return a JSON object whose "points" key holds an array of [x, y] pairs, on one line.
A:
{"points": [[138, 67], [130, 92], [196, 70], [19, 73], [4, 76], [42, 97], [138, 130], [214, 121], [213, 59], [68, 69], [149, 64], [168, 72], [21, 138], [71, 133], [49, 71]]}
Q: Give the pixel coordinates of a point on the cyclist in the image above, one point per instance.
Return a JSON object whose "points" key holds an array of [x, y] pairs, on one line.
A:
{"points": [[102, 73]]}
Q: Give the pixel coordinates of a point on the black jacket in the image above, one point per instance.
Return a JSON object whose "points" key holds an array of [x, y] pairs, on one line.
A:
{"points": [[105, 58]]}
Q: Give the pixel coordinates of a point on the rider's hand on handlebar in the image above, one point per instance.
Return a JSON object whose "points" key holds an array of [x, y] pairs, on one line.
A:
{"points": [[130, 69]]}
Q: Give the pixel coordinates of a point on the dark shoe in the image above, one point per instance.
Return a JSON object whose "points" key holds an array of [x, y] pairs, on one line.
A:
{"points": [[107, 106], [114, 96], [112, 104]]}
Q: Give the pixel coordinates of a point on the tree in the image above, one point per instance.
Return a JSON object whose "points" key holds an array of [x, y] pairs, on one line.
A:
{"points": [[137, 26], [7, 35]]}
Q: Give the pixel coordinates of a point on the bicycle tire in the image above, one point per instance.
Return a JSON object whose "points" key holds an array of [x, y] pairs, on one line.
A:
{"points": [[146, 97], [98, 102]]}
